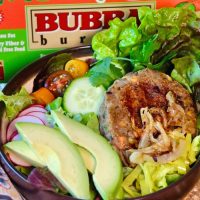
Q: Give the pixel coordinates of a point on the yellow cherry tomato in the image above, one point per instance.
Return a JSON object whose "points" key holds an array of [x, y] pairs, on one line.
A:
{"points": [[76, 68]]}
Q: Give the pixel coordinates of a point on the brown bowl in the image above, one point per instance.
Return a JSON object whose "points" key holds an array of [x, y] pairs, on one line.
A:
{"points": [[25, 77]]}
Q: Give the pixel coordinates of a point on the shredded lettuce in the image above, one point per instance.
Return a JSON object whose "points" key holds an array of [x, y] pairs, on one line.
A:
{"points": [[16, 102]]}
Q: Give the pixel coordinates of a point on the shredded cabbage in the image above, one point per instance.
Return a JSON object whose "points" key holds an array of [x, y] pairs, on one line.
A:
{"points": [[151, 176]]}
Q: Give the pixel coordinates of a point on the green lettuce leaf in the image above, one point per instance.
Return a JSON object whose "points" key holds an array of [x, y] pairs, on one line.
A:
{"points": [[186, 4], [16, 102], [105, 72], [117, 40], [186, 71], [89, 119], [163, 32], [162, 35], [56, 104]]}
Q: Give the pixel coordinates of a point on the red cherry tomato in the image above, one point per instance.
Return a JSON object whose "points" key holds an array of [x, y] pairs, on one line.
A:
{"points": [[57, 82]]}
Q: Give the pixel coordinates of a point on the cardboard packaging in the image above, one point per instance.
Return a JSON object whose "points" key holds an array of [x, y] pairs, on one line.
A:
{"points": [[30, 29]]}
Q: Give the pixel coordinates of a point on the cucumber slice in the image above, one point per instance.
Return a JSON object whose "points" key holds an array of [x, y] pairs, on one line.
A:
{"points": [[82, 97]]}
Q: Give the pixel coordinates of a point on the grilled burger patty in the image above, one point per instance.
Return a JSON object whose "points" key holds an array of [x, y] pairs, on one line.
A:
{"points": [[142, 103]]}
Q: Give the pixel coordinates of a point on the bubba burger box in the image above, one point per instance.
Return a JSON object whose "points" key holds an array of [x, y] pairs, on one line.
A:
{"points": [[30, 29]]}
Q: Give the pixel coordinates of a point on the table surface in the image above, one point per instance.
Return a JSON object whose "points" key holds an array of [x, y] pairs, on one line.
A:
{"points": [[194, 194]]}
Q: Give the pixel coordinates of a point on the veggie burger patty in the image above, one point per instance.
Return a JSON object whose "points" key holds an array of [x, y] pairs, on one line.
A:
{"points": [[140, 109]]}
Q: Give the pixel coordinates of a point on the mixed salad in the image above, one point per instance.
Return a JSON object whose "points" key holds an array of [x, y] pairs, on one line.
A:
{"points": [[165, 40]]}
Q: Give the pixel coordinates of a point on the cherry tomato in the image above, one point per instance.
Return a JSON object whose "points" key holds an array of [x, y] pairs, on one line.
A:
{"points": [[76, 68], [58, 81]]}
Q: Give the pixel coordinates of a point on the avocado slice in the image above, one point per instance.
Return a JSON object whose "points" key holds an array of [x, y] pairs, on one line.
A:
{"points": [[60, 156], [24, 151], [88, 159], [107, 175]]}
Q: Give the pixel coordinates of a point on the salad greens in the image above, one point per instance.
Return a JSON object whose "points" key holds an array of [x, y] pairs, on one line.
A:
{"points": [[186, 71], [117, 40], [89, 119], [55, 104], [105, 72], [24, 170], [15, 103], [164, 40]]}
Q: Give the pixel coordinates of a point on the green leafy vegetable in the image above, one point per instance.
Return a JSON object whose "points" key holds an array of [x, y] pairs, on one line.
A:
{"points": [[16, 102], [163, 31], [196, 145], [186, 4], [105, 72], [162, 36], [42, 178], [186, 71], [89, 119], [117, 40], [171, 178], [55, 104]]}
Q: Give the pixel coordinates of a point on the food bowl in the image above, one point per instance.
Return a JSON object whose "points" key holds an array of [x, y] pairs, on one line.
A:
{"points": [[25, 78]]}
